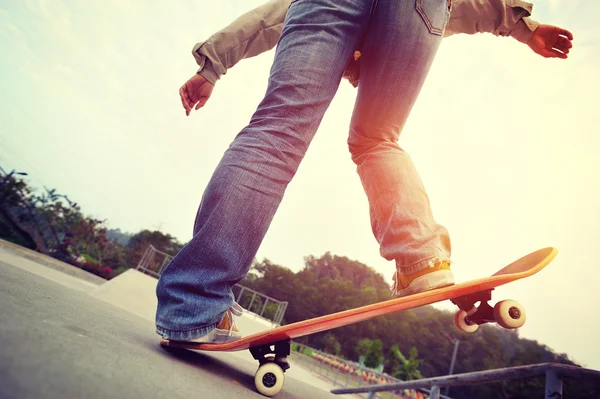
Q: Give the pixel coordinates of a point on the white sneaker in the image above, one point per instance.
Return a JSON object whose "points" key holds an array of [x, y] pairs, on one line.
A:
{"points": [[226, 330]]}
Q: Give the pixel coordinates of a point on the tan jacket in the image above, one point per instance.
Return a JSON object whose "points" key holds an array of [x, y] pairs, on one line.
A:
{"points": [[258, 31]]}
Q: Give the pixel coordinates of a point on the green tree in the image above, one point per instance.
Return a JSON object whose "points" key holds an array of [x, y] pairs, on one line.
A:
{"points": [[331, 344], [17, 214], [341, 268], [402, 367], [374, 356], [362, 347]]}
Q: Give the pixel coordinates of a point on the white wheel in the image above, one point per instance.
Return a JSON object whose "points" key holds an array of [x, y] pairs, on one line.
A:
{"points": [[461, 324], [269, 379], [509, 314]]}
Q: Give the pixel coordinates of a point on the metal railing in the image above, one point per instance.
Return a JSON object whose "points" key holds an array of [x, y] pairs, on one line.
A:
{"points": [[345, 373], [554, 372], [153, 262], [260, 304]]}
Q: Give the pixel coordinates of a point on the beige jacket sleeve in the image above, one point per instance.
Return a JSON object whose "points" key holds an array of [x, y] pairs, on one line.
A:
{"points": [[258, 30], [251, 34], [499, 17]]}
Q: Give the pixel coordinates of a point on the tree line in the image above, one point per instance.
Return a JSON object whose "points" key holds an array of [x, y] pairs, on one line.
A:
{"points": [[53, 224]]}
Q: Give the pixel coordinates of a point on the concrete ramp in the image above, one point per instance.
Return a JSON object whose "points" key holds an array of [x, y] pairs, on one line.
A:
{"points": [[135, 292]]}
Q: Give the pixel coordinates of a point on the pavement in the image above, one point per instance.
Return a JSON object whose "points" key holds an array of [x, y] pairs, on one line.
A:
{"points": [[62, 338]]}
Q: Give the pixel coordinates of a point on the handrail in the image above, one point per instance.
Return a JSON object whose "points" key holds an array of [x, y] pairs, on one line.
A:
{"points": [[554, 372]]}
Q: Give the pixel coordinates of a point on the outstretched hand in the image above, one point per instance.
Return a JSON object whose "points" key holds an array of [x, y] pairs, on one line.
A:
{"points": [[551, 41], [195, 93]]}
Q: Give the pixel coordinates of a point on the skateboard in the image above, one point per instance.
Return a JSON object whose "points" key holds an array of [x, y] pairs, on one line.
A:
{"points": [[272, 347]]}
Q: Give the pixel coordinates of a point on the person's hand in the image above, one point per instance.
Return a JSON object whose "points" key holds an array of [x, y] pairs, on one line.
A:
{"points": [[195, 93], [551, 41]]}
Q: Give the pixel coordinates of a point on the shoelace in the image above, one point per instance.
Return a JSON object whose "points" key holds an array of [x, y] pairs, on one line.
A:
{"points": [[234, 310]]}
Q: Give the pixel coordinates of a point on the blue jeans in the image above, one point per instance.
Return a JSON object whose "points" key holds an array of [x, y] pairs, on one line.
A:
{"points": [[398, 39]]}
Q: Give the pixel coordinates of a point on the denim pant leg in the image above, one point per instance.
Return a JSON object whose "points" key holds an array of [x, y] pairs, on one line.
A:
{"points": [[398, 51], [318, 39]]}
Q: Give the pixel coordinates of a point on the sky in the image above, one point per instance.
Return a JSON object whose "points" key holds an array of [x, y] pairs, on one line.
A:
{"points": [[505, 141]]}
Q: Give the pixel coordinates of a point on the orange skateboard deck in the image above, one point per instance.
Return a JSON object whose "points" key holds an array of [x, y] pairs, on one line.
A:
{"points": [[508, 314]]}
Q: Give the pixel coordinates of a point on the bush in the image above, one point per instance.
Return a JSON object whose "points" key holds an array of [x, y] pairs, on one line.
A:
{"points": [[99, 270]]}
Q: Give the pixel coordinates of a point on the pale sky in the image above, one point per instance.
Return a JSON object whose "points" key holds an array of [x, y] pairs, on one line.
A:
{"points": [[506, 143]]}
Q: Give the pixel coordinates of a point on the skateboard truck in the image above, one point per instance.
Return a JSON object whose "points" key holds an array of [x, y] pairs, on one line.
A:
{"points": [[508, 313], [280, 350], [481, 314], [269, 377]]}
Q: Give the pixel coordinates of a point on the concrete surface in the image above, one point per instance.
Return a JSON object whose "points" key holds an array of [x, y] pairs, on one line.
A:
{"points": [[51, 274], [61, 342], [135, 292], [50, 262]]}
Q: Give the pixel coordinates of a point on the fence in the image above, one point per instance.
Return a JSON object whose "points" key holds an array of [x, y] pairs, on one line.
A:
{"points": [[153, 262], [260, 304], [351, 375], [554, 373]]}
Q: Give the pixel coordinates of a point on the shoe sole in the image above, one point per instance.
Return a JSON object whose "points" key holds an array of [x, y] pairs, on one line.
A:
{"points": [[216, 336], [223, 336]]}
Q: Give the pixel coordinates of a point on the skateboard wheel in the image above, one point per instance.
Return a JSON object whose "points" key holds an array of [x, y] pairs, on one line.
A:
{"points": [[461, 324], [269, 379], [509, 314]]}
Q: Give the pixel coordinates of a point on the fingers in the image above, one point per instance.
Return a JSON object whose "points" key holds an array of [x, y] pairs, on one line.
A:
{"points": [[566, 33], [551, 41], [562, 46], [188, 98], [195, 93], [552, 53], [185, 100], [182, 96], [562, 43], [557, 42], [558, 54]]}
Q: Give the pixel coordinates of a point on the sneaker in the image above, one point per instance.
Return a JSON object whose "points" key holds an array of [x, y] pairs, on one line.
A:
{"points": [[226, 330], [436, 276]]}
